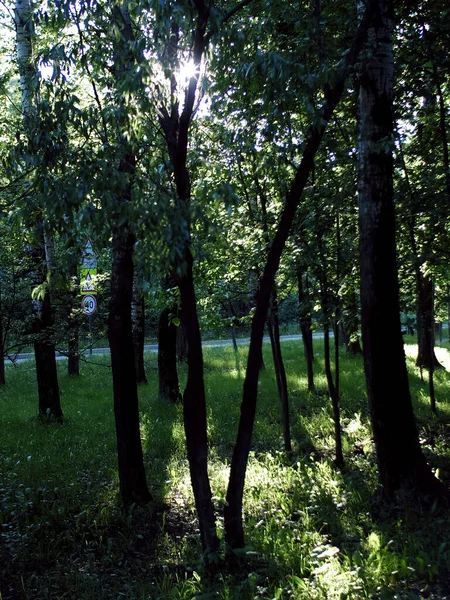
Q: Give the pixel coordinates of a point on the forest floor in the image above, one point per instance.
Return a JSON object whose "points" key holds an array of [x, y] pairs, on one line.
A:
{"points": [[313, 532]]}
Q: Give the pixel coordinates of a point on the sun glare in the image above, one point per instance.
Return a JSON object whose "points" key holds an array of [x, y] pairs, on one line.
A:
{"points": [[187, 70]]}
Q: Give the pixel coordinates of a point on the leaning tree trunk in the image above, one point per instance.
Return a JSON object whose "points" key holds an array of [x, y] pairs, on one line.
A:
{"points": [[234, 527], [399, 456], [169, 387], [138, 325]]}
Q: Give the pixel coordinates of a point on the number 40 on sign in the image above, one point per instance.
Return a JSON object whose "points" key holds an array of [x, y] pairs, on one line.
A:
{"points": [[89, 305]]}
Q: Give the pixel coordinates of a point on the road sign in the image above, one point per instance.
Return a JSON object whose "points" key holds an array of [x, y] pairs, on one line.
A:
{"points": [[89, 305], [87, 281], [89, 260]]}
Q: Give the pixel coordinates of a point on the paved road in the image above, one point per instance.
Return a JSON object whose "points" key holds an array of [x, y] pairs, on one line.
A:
{"points": [[154, 347]]}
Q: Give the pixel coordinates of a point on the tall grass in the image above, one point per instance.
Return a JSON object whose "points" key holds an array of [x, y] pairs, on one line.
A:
{"points": [[313, 532]]}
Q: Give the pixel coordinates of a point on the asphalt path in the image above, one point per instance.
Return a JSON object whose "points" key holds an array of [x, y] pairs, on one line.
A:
{"points": [[154, 347]]}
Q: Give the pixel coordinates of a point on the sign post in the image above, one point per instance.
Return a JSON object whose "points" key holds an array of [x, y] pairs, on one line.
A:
{"points": [[88, 274]]}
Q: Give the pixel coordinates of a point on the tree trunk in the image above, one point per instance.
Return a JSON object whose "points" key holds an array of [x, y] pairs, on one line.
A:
{"points": [[167, 358], [351, 326], [306, 328], [44, 347], [280, 372], [138, 328], [182, 347], [73, 362], [176, 131], [2, 346], [234, 529], [334, 396], [132, 480], [48, 389], [399, 456], [195, 422], [426, 356]]}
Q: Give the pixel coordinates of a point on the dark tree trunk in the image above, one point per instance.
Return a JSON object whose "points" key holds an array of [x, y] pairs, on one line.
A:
{"points": [[399, 456], [306, 328], [167, 358], [73, 361], [280, 372], [195, 422], [233, 337], [334, 396], [132, 480], [182, 347], [234, 529], [337, 364], [176, 130], [325, 301], [138, 328], [426, 356], [351, 326], [44, 347], [2, 347]]}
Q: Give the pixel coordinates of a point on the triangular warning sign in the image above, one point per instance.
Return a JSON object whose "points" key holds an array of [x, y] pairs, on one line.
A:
{"points": [[88, 285]]}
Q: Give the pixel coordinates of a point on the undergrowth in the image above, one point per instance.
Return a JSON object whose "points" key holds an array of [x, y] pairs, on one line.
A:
{"points": [[313, 532]]}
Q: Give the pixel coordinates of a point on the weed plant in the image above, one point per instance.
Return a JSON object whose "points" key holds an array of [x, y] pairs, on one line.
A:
{"points": [[313, 532]]}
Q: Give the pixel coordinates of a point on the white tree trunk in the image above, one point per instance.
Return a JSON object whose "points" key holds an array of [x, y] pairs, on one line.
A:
{"points": [[23, 17]]}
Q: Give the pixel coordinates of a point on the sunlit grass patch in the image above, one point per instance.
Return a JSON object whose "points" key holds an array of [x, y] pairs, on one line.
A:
{"points": [[312, 531]]}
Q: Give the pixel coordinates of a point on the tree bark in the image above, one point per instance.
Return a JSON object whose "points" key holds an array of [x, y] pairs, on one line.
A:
{"points": [[334, 396], [306, 328], [426, 357], [350, 325], [2, 346], [195, 421], [399, 457], [280, 372], [138, 328], [44, 347], [167, 358], [73, 361], [182, 347], [176, 131], [234, 530], [132, 479]]}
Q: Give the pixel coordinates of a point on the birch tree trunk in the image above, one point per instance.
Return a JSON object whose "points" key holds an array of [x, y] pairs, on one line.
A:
{"points": [[42, 254]]}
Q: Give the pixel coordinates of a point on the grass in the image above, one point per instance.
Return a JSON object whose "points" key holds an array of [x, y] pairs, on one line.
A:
{"points": [[313, 532]]}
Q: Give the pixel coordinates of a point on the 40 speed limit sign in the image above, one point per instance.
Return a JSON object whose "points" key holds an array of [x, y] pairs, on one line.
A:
{"points": [[89, 305]]}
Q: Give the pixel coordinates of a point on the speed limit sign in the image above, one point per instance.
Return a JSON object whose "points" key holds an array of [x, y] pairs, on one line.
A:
{"points": [[89, 305]]}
